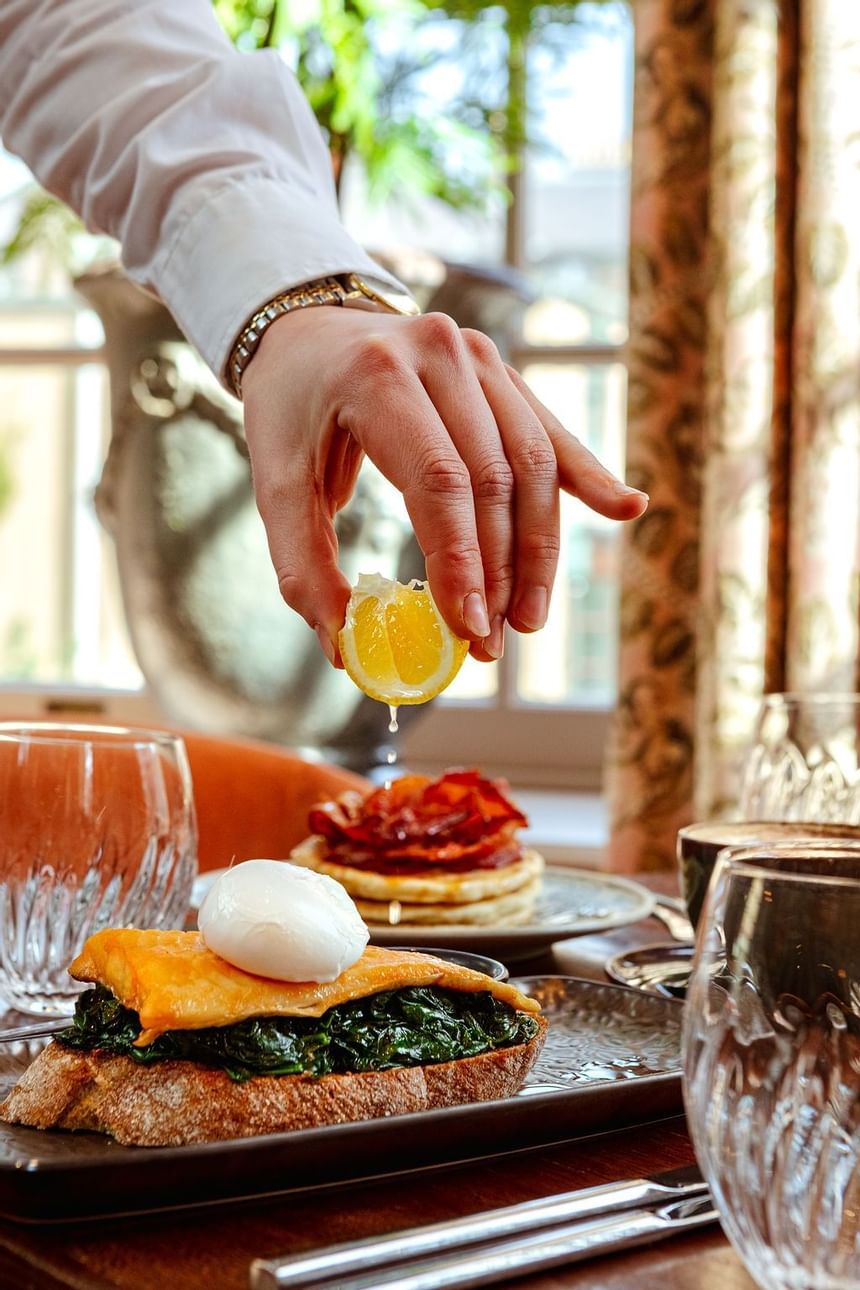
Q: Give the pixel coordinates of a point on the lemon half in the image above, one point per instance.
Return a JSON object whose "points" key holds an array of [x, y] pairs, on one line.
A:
{"points": [[395, 644]]}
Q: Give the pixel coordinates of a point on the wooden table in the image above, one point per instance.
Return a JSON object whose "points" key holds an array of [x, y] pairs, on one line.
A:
{"points": [[211, 1249]]}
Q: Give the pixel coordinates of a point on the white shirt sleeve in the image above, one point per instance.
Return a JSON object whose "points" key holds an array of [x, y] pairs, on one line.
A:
{"points": [[207, 164]]}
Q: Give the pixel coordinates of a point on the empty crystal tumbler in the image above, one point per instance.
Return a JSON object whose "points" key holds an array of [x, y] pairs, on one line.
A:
{"points": [[804, 762], [772, 1059], [98, 830]]}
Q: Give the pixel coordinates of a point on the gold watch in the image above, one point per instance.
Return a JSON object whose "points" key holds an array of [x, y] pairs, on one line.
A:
{"points": [[348, 289]]}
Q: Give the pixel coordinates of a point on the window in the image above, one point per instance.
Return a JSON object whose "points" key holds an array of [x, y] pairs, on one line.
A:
{"points": [[542, 710], [61, 618]]}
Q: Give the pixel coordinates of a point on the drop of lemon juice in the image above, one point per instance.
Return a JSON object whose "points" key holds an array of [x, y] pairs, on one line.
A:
{"points": [[391, 755]]}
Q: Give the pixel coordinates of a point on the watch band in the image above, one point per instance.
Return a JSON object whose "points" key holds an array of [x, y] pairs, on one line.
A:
{"points": [[346, 289]]}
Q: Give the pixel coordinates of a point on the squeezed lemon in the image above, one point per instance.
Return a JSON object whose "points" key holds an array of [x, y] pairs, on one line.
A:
{"points": [[395, 644]]}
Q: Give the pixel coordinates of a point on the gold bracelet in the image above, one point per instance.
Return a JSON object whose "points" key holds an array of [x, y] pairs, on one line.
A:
{"points": [[348, 289], [326, 291]]}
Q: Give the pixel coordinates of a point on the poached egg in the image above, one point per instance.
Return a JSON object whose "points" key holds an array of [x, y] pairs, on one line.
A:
{"points": [[281, 921]]}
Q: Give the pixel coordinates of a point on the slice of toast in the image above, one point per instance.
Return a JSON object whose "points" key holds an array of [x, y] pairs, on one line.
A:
{"points": [[174, 1102]]}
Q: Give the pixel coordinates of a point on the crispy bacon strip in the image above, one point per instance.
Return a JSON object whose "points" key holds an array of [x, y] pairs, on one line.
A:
{"points": [[460, 820]]}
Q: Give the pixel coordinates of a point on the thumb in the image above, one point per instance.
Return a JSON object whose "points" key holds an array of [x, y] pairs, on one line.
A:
{"points": [[303, 546]]}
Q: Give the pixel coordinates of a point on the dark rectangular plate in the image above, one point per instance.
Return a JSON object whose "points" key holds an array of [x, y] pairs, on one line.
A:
{"points": [[611, 1058]]}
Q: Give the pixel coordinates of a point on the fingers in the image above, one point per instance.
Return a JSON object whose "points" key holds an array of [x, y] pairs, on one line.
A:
{"points": [[449, 375], [535, 514], [404, 435], [579, 471], [583, 476], [477, 457], [303, 547]]}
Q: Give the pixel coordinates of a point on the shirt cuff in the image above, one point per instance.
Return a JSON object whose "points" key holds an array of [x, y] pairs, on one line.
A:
{"points": [[243, 244]]}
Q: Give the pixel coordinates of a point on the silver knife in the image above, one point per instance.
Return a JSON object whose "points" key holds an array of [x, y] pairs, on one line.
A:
{"points": [[638, 1195], [570, 1243]]}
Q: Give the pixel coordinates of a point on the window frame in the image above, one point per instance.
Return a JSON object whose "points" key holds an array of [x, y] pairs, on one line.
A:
{"points": [[82, 362]]}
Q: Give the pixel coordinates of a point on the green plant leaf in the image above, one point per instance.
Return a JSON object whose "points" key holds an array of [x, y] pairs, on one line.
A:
{"points": [[414, 1026]]}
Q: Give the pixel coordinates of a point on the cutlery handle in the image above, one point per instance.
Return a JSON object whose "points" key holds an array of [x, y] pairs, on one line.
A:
{"points": [[675, 920], [568, 1243], [34, 1030], [338, 1261]]}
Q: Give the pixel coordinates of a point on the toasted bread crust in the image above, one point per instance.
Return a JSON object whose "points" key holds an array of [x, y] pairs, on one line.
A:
{"points": [[171, 1103]]}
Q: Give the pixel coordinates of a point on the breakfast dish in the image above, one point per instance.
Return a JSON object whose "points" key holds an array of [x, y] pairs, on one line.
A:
{"points": [[611, 1058], [178, 1044], [427, 852]]}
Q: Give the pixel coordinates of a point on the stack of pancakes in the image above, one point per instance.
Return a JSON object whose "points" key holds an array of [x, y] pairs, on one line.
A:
{"points": [[422, 851]]}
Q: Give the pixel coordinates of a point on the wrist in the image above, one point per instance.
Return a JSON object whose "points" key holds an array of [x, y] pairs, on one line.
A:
{"points": [[293, 339], [342, 290]]}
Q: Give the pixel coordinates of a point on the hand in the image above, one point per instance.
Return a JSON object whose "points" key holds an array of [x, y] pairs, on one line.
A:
{"points": [[478, 459]]}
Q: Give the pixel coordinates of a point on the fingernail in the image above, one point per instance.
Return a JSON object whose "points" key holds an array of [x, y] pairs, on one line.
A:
{"points": [[326, 643], [475, 615], [627, 491], [495, 642], [532, 609]]}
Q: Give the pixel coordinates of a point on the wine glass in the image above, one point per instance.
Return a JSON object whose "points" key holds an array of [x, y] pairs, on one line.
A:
{"points": [[772, 1059], [98, 830]]}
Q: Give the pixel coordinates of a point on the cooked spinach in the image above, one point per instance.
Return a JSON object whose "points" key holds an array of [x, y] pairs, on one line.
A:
{"points": [[415, 1026]]}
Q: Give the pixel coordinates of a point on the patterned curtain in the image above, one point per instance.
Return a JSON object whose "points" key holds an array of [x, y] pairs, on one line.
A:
{"points": [[744, 395]]}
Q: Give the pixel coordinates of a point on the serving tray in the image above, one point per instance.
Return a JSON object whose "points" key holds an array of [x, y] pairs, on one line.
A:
{"points": [[611, 1058]]}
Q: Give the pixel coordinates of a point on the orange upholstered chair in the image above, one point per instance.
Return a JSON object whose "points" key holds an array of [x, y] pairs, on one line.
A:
{"points": [[252, 798]]}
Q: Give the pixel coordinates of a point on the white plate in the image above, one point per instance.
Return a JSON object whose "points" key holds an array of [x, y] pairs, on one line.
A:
{"points": [[572, 902]]}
